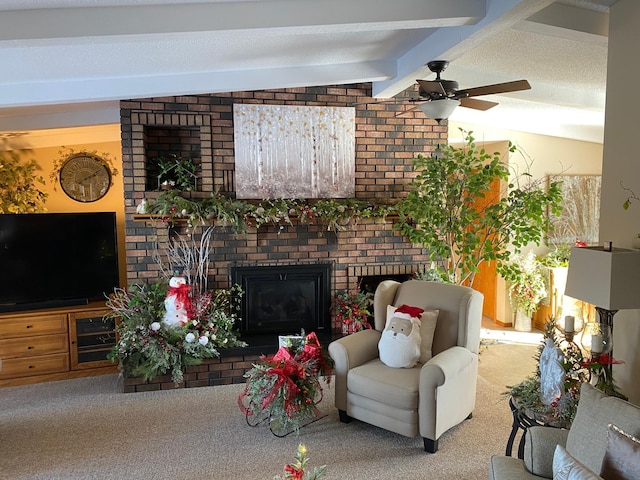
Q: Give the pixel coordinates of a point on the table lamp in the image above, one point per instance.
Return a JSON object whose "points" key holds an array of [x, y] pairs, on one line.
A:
{"points": [[606, 277]]}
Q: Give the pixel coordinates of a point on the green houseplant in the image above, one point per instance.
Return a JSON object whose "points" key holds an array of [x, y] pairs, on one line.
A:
{"points": [[175, 171], [450, 210], [19, 192]]}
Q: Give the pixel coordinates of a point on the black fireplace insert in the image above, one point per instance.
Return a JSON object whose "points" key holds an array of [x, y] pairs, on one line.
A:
{"points": [[284, 299]]}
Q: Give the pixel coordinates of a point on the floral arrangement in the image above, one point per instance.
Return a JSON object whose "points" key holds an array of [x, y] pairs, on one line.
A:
{"points": [[148, 347], [150, 341], [334, 214], [351, 309], [527, 286], [297, 470], [577, 368], [285, 387]]}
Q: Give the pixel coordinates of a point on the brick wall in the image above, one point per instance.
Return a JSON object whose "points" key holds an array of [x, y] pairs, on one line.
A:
{"points": [[386, 143]]}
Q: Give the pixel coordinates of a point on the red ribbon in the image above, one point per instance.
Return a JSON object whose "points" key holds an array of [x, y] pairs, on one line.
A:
{"points": [[183, 298], [288, 370], [298, 474], [313, 351], [412, 311]]}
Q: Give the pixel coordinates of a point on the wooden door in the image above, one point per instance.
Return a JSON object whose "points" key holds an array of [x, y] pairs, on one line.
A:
{"points": [[486, 280]]}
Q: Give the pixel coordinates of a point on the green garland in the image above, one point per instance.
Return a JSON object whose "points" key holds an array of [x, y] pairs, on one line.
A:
{"points": [[334, 214]]}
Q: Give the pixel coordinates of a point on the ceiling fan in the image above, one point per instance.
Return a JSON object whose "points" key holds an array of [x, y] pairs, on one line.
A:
{"points": [[438, 98]]}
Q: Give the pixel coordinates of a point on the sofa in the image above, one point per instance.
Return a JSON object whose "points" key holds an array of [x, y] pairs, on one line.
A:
{"points": [[589, 445]]}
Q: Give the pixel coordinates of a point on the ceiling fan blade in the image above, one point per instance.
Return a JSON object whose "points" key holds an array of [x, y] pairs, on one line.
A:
{"points": [[493, 89], [476, 104], [431, 86]]}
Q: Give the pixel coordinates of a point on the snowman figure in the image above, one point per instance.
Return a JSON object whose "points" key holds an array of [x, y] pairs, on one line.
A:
{"points": [[177, 304]]}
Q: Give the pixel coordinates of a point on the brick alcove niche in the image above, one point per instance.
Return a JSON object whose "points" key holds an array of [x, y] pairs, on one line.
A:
{"points": [[201, 127]]}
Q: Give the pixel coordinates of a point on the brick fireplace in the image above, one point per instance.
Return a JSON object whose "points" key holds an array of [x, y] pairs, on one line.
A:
{"points": [[201, 127]]}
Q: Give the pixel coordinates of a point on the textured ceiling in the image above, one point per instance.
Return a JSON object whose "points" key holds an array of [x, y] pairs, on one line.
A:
{"points": [[66, 63]]}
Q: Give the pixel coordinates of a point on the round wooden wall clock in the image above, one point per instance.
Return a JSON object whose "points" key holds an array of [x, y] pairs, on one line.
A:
{"points": [[85, 178]]}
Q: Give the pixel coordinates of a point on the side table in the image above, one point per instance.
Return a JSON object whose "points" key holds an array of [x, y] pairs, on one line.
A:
{"points": [[523, 419]]}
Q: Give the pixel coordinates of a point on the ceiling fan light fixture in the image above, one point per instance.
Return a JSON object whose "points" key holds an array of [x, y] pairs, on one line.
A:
{"points": [[439, 109]]}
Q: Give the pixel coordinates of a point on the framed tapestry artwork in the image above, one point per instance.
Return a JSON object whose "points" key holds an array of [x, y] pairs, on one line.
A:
{"points": [[294, 151], [580, 216]]}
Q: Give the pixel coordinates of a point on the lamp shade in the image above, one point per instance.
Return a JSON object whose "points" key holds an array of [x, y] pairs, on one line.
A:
{"points": [[608, 279], [439, 109]]}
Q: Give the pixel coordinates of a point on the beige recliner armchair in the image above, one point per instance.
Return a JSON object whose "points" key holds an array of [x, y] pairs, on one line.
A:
{"points": [[429, 398]]}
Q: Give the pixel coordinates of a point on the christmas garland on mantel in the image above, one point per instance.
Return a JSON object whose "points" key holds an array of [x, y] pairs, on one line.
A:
{"points": [[335, 214]]}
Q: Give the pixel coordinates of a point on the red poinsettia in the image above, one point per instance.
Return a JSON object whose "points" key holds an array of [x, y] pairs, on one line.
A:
{"points": [[604, 359]]}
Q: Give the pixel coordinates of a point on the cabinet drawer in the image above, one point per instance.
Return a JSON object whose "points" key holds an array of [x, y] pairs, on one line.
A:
{"points": [[23, 367], [19, 326], [28, 346]]}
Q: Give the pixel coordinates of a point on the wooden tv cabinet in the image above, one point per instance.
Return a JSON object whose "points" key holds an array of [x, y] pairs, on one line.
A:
{"points": [[55, 344]]}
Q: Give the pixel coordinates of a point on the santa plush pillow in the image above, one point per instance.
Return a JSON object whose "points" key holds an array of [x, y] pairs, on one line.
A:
{"points": [[408, 336], [399, 345]]}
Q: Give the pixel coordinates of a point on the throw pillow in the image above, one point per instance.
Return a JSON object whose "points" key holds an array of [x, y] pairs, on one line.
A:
{"points": [[622, 458], [399, 345], [565, 467], [587, 438], [428, 322]]}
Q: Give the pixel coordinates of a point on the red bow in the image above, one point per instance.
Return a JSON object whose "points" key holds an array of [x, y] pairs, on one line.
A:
{"points": [[415, 312]]}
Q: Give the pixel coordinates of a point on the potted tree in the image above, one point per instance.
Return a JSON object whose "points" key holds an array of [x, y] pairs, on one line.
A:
{"points": [[442, 211]]}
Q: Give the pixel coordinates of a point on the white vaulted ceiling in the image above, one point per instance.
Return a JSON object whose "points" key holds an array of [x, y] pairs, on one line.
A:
{"points": [[67, 63]]}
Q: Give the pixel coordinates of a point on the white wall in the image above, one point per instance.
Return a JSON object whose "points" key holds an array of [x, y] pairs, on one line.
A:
{"points": [[550, 155], [621, 163]]}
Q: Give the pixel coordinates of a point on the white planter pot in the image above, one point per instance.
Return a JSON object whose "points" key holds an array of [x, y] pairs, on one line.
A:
{"points": [[522, 322]]}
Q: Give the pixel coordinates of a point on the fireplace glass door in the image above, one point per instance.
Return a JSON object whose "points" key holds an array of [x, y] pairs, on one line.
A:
{"points": [[284, 299]]}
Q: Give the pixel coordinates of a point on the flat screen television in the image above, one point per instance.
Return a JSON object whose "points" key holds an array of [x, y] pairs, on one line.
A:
{"points": [[56, 259]]}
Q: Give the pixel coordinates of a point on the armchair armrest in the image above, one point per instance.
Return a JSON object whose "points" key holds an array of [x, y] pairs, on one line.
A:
{"points": [[447, 390], [540, 444], [445, 366], [349, 352]]}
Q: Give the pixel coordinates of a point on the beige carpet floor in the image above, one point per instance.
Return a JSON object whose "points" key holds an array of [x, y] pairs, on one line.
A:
{"points": [[87, 429]]}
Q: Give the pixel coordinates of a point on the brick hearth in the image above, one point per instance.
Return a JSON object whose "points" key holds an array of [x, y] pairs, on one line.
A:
{"points": [[226, 370]]}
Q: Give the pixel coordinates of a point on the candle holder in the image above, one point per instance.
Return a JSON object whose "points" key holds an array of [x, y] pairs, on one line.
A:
{"points": [[597, 339], [572, 326]]}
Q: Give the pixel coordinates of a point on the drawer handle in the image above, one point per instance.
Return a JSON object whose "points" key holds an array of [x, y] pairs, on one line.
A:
{"points": [[29, 326], [29, 347], [31, 366]]}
